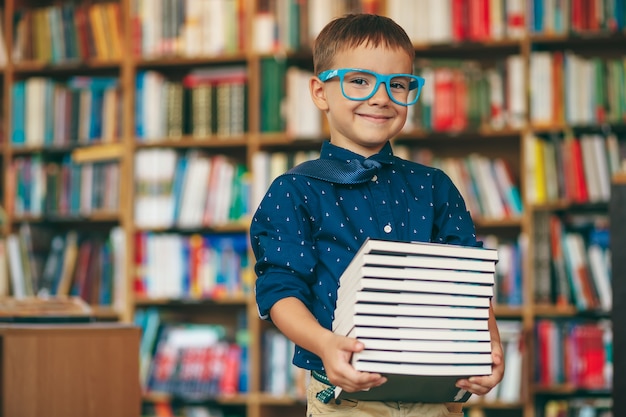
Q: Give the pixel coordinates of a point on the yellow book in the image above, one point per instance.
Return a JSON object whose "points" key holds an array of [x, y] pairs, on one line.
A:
{"points": [[112, 17], [99, 34]]}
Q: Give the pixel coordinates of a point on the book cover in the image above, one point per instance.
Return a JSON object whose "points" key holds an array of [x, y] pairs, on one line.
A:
{"points": [[403, 387]]}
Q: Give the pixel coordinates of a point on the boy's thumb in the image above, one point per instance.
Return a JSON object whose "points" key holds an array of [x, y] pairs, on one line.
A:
{"points": [[353, 345]]}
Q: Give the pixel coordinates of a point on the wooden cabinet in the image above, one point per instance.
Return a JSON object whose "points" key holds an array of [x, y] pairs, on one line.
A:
{"points": [[69, 370]]}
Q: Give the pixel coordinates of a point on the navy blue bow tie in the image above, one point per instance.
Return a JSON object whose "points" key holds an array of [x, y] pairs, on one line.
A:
{"points": [[340, 172]]}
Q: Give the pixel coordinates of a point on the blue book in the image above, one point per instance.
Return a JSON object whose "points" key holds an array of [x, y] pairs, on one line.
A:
{"points": [[105, 293], [18, 112], [48, 132], [139, 86], [179, 182]]}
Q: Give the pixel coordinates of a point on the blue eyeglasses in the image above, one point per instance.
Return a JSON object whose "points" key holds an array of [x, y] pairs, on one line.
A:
{"points": [[361, 84]]}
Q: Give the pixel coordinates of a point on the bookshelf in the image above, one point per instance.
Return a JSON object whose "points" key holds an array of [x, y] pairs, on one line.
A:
{"points": [[154, 77]]}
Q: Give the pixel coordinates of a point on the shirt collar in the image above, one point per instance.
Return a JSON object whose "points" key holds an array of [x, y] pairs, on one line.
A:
{"points": [[330, 151]]}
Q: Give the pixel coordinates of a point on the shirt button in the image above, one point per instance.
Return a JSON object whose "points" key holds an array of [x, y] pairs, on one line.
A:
{"points": [[387, 228], [375, 178]]}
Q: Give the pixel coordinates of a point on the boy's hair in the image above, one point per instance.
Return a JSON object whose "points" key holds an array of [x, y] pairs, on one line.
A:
{"points": [[352, 30]]}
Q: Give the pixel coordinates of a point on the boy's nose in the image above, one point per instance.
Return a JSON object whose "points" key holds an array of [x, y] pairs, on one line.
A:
{"points": [[380, 95]]}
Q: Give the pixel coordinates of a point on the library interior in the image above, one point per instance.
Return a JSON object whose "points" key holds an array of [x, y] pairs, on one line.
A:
{"points": [[128, 290]]}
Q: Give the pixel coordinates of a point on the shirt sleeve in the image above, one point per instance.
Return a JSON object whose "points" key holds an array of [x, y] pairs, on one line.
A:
{"points": [[281, 241], [453, 223]]}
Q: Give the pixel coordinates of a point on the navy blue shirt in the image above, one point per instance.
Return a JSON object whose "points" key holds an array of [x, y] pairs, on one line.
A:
{"points": [[306, 231]]}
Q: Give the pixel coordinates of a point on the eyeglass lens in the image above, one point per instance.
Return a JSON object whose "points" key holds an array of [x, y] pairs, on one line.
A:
{"points": [[359, 85]]}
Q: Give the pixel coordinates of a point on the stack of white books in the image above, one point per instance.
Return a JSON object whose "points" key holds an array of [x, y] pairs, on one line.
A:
{"points": [[421, 310]]}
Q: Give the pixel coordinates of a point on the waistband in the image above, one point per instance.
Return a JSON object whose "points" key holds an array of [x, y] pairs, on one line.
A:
{"points": [[326, 394]]}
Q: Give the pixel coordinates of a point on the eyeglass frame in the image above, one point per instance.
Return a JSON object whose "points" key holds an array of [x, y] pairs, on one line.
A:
{"points": [[416, 82]]}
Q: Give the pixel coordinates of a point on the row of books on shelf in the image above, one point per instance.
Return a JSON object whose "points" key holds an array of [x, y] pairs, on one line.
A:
{"points": [[459, 21], [574, 168], [280, 376], [546, 17], [165, 408], [509, 390], [269, 165], [292, 25], [509, 275], [195, 28], [205, 102], [83, 110], [64, 188], [572, 261], [45, 263], [576, 353], [460, 95], [189, 28], [577, 407], [175, 266], [465, 94], [68, 33], [557, 96], [488, 185], [189, 190], [194, 361], [492, 20]]}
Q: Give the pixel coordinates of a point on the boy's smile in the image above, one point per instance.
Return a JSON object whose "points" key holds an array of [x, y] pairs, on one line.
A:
{"points": [[363, 126]]}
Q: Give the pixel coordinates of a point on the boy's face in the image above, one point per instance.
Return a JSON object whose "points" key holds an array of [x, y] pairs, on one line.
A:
{"points": [[363, 126]]}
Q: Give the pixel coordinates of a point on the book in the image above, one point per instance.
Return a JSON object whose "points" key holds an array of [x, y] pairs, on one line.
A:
{"points": [[432, 357], [419, 286], [435, 385], [418, 311], [427, 248], [410, 322], [426, 274], [424, 298], [408, 345], [391, 334]]}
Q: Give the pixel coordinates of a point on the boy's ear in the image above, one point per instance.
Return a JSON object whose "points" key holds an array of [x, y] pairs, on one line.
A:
{"points": [[318, 94]]}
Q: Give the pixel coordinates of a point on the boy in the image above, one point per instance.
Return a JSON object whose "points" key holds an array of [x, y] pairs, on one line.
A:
{"points": [[315, 217]]}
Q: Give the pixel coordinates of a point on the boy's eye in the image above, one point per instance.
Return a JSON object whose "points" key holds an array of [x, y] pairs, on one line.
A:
{"points": [[399, 84], [359, 81]]}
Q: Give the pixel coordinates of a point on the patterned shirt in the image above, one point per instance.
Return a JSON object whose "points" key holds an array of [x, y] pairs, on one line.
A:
{"points": [[306, 231]]}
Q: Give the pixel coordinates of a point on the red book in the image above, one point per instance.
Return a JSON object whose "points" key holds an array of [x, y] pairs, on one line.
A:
{"points": [[557, 88], [443, 108], [460, 20], [139, 284], [229, 383], [582, 194], [81, 274], [478, 12], [196, 244], [591, 356], [544, 347], [459, 117]]}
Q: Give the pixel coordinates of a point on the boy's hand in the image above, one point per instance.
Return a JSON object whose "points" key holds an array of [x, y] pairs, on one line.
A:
{"points": [[481, 385], [336, 357]]}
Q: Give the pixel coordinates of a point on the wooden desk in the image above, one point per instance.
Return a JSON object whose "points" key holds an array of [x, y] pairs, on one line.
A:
{"points": [[69, 370]]}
